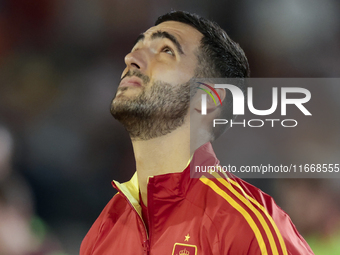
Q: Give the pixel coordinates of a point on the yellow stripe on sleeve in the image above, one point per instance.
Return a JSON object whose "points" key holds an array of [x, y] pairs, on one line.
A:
{"points": [[253, 209], [241, 210], [277, 231]]}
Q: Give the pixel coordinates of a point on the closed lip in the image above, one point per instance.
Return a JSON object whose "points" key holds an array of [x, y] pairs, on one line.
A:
{"points": [[131, 82]]}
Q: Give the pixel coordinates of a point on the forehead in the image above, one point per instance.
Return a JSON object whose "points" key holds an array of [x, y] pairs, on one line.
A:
{"points": [[186, 35]]}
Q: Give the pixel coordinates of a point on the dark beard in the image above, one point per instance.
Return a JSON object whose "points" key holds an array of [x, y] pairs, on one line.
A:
{"points": [[157, 111]]}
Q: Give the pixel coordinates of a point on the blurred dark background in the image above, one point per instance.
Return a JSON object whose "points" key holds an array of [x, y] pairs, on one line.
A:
{"points": [[60, 65]]}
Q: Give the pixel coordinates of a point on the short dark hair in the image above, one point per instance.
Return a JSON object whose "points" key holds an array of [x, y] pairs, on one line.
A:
{"points": [[218, 56]]}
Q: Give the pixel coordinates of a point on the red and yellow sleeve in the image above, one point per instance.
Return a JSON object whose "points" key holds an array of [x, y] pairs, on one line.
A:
{"points": [[253, 224]]}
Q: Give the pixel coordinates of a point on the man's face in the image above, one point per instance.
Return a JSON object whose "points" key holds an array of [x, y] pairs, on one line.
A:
{"points": [[154, 93]]}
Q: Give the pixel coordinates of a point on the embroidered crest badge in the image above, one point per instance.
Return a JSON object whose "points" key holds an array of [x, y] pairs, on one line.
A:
{"points": [[184, 249]]}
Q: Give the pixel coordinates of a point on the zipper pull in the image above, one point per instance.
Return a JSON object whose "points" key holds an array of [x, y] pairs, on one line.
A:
{"points": [[146, 247]]}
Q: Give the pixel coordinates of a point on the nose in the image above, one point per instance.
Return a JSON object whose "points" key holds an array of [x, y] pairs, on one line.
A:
{"points": [[136, 60]]}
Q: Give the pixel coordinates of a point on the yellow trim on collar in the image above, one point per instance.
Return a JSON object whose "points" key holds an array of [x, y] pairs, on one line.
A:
{"points": [[189, 161], [131, 190]]}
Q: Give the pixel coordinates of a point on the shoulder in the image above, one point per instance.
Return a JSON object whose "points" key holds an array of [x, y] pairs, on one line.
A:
{"points": [[240, 211], [107, 217]]}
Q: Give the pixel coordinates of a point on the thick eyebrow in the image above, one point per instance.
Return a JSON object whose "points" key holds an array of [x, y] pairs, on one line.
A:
{"points": [[162, 34]]}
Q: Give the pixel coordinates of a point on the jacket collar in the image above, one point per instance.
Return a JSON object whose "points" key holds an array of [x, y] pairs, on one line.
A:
{"points": [[130, 190], [170, 185]]}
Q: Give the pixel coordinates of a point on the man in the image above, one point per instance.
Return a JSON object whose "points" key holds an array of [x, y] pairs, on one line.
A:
{"points": [[161, 210]]}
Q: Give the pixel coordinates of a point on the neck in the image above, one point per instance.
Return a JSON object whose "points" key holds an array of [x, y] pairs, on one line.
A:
{"points": [[166, 154]]}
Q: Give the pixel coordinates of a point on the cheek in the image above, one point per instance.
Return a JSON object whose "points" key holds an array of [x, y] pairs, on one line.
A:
{"points": [[176, 75]]}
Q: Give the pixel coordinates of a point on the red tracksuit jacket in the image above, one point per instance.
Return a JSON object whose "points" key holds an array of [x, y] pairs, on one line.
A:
{"points": [[193, 216]]}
